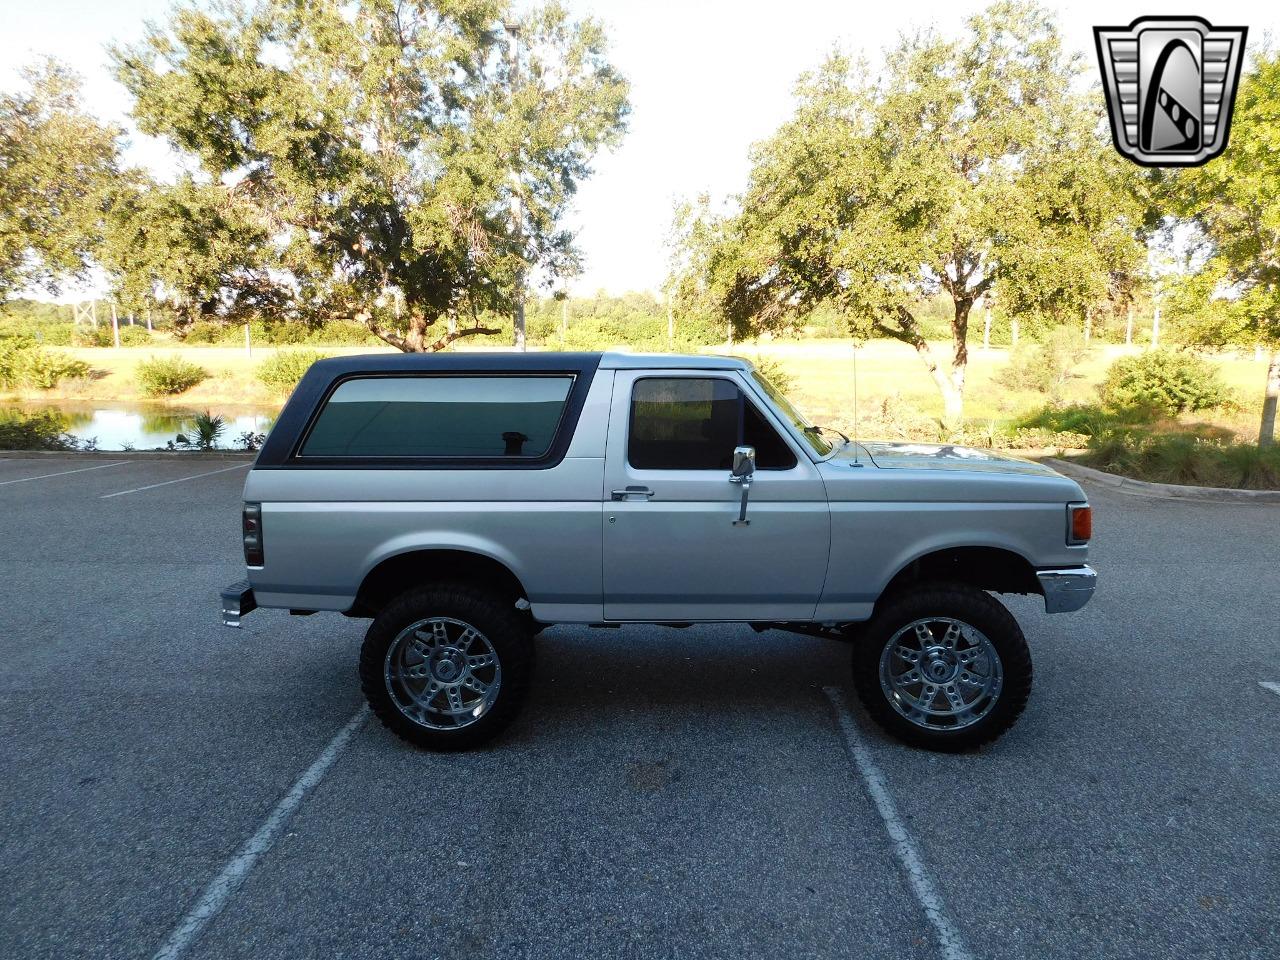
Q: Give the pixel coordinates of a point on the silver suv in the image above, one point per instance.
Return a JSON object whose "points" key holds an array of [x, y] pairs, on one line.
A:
{"points": [[466, 501]]}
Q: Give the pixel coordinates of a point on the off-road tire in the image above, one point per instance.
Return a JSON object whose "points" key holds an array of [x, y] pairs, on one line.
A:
{"points": [[492, 614], [971, 606]]}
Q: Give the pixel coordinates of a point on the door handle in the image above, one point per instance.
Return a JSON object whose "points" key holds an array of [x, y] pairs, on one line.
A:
{"points": [[633, 493]]}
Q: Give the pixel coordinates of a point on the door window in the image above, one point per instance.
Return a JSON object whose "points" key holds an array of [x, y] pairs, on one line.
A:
{"points": [[691, 423]]}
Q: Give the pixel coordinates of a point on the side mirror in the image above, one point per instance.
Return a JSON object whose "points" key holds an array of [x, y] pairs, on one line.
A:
{"points": [[744, 462]]}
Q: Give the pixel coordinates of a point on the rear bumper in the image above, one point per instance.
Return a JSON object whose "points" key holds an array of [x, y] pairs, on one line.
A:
{"points": [[1068, 589], [237, 600]]}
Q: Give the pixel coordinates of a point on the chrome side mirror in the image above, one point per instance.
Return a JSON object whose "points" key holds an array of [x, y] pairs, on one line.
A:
{"points": [[744, 467]]}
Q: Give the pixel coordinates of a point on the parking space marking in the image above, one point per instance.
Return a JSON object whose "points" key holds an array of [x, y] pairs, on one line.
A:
{"points": [[1270, 685], [904, 848], [63, 473], [225, 884], [165, 483]]}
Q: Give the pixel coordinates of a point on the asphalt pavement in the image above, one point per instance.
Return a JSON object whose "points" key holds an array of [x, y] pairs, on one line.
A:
{"points": [[708, 792]]}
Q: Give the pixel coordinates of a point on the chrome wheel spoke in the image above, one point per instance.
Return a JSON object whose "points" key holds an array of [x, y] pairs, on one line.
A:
{"points": [[908, 654], [430, 677], [940, 689]]}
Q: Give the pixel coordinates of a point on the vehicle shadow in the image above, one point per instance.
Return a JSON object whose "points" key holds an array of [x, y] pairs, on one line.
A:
{"points": [[645, 675]]}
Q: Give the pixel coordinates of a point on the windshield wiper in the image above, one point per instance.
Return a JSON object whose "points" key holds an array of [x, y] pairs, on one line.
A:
{"points": [[819, 431]]}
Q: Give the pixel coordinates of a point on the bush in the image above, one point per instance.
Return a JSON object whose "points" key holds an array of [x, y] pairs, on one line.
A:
{"points": [[202, 332], [134, 336], [282, 370], [1162, 380], [36, 431], [23, 363], [1045, 367], [1187, 459], [93, 337], [165, 376]]}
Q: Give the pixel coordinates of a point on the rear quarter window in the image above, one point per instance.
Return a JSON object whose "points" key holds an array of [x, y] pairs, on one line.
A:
{"points": [[465, 417]]}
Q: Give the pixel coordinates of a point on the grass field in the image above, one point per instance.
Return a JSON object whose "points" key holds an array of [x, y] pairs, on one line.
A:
{"points": [[895, 394]]}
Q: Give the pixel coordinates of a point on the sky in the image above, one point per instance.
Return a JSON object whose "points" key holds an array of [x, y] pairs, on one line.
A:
{"points": [[708, 79]]}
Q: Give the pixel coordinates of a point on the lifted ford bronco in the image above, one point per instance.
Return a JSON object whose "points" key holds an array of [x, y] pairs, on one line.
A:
{"points": [[466, 501]]}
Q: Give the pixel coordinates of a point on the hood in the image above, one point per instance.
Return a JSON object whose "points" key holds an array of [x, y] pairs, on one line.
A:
{"points": [[937, 456]]}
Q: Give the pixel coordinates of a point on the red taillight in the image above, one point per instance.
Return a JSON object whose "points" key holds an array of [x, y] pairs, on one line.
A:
{"points": [[1079, 523], [251, 525]]}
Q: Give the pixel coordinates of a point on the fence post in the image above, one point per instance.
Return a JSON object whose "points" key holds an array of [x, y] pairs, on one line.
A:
{"points": [[248, 346], [115, 324], [986, 329], [148, 319]]}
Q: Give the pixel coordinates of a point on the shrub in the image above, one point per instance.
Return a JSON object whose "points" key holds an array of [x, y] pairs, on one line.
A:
{"points": [[24, 364], [134, 336], [206, 428], [93, 337], [774, 372], [1162, 380], [1045, 367], [34, 431], [165, 376], [341, 332], [282, 370], [202, 332]]}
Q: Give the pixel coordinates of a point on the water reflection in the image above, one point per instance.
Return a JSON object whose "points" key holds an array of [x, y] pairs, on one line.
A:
{"points": [[124, 426]]}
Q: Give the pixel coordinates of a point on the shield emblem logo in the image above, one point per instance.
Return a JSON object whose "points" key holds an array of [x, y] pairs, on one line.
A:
{"points": [[1170, 84]]}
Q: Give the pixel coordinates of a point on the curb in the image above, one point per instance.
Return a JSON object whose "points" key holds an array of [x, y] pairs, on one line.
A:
{"points": [[1165, 491]]}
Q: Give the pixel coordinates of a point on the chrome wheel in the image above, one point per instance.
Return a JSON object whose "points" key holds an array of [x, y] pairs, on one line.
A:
{"points": [[941, 674], [442, 673]]}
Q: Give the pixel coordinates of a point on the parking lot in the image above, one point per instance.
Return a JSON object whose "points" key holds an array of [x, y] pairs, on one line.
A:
{"points": [[170, 787]]}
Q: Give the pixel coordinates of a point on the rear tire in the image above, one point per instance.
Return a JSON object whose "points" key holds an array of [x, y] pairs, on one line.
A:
{"points": [[447, 667], [943, 666]]}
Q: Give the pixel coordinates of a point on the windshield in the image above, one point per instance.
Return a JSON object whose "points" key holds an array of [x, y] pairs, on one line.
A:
{"points": [[812, 435]]}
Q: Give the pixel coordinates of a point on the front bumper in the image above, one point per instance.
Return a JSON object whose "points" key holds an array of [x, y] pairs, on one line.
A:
{"points": [[1067, 589], [237, 600]]}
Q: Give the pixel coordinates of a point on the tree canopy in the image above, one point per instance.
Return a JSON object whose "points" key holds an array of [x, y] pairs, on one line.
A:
{"points": [[965, 166], [58, 166], [1234, 201], [360, 159]]}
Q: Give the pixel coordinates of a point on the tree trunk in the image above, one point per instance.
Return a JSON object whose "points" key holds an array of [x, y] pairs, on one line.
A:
{"points": [[951, 386], [1267, 434]]}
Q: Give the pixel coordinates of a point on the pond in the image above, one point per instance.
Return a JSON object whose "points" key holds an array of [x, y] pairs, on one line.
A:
{"points": [[145, 426]]}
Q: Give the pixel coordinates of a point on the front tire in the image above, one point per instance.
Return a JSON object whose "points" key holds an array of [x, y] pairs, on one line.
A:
{"points": [[943, 666], [446, 667]]}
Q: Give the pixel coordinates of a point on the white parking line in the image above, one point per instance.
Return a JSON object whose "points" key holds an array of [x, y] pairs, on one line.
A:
{"points": [[225, 884], [953, 946], [1270, 685], [63, 473], [165, 483]]}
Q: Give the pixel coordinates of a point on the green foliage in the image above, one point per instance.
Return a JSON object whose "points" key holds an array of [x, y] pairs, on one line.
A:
{"points": [[134, 336], [93, 337], [206, 428], [23, 363], [1045, 367], [1166, 381], [1187, 459], [34, 431], [57, 173], [46, 323], [283, 369], [388, 163], [964, 166], [166, 376]]}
